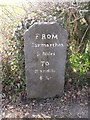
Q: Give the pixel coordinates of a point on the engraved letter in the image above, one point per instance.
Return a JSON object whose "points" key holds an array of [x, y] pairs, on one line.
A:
{"points": [[43, 36], [47, 63], [54, 36], [48, 36], [37, 35], [42, 62]]}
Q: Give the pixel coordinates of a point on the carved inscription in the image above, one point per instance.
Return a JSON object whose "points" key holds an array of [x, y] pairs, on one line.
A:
{"points": [[43, 63]]}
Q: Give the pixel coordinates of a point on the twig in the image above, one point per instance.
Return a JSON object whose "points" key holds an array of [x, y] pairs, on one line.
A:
{"points": [[76, 19], [83, 36]]}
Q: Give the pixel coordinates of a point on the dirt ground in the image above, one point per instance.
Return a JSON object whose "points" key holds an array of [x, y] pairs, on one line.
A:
{"points": [[73, 104]]}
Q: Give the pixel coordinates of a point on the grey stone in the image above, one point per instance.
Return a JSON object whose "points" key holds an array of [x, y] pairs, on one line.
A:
{"points": [[45, 55]]}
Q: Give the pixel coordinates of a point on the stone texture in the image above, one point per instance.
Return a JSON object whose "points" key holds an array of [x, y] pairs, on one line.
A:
{"points": [[45, 55]]}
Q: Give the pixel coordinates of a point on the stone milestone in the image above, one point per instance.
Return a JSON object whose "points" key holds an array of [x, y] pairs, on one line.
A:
{"points": [[45, 55]]}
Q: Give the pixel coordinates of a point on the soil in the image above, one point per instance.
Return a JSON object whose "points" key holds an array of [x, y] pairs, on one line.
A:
{"points": [[73, 104]]}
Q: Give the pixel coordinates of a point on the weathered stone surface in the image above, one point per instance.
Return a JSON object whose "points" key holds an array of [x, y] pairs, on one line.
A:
{"points": [[45, 55]]}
